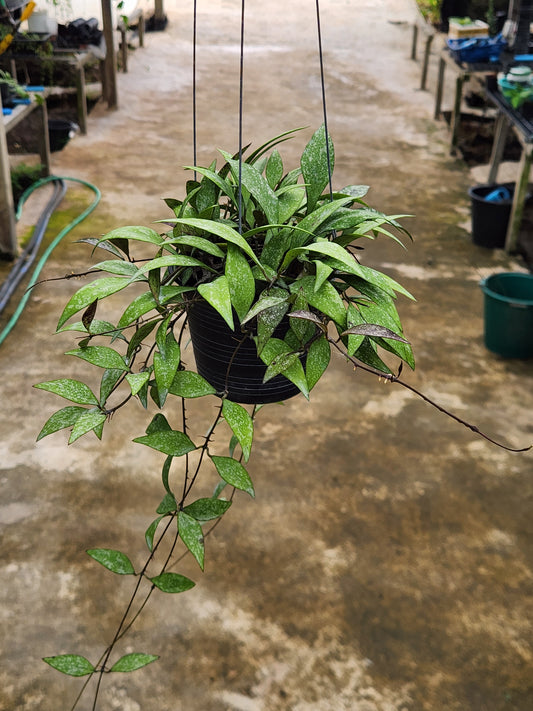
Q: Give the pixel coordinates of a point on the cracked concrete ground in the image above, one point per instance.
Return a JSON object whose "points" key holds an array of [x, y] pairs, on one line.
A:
{"points": [[387, 561]]}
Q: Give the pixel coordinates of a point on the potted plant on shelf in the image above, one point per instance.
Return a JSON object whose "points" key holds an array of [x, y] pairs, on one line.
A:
{"points": [[267, 256]]}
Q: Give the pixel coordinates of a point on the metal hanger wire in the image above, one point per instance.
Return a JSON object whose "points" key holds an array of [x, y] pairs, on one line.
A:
{"points": [[241, 99]]}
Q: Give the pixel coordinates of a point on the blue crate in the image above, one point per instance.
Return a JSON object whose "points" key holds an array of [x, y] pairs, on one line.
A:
{"points": [[477, 50]]}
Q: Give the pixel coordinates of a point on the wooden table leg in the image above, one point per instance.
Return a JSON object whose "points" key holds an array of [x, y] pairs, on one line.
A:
{"points": [[81, 96], [44, 140], [140, 30], [440, 85], [455, 118], [425, 63], [501, 130], [519, 199], [8, 230], [414, 41]]}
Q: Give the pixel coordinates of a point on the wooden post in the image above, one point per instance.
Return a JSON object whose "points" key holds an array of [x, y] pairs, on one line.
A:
{"points": [[519, 199], [8, 233], [425, 64], [159, 13], [110, 63]]}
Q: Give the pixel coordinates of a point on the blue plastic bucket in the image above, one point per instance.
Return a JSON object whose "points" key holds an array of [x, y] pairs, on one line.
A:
{"points": [[508, 314]]}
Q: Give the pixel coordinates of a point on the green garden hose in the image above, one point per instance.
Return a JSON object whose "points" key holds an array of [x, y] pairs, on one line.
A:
{"points": [[48, 251]]}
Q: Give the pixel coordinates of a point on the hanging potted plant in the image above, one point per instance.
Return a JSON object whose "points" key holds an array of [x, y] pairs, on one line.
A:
{"points": [[267, 257], [261, 261]]}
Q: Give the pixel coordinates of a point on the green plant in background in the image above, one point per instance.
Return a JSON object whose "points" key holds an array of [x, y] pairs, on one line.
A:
{"points": [[430, 10], [261, 246], [12, 84]]}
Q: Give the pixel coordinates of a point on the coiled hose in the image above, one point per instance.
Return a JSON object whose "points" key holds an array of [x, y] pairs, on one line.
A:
{"points": [[28, 256]]}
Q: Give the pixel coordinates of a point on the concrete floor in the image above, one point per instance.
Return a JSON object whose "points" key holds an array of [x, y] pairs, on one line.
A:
{"points": [[387, 561]]}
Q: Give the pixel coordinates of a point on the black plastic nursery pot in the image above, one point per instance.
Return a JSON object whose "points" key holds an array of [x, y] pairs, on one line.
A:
{"points": [[490, 219], [60, 131], [508, 314], [230, 367]]}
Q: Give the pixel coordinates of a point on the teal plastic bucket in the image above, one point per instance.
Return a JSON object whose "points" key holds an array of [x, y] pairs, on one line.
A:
{"points": [[508, 311]]}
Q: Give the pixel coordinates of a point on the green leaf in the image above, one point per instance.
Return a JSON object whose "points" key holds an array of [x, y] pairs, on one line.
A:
{"points": [[60, 420], [274, 169], [115, 561], [234, 474], [165, 473], [159, 423], [178, 260], [367, 353], [71, 664], [241, 282], [311, 226], [167, 505], [191, 534], [72, 390], [137, 308], [90, 420], [281, 363], [374, 330], [98, 289], [150, 532], [207, 509], [108, 383], [326, 299], [278, 354], [117, 266], [132, 662], [172, 442], [107, 246], [166, 364], [300, 324], [188, 384], [354, 318], [318, 358], [384, 316], [204, 245], [217, 294], [241, 425], [314, 164], [138, 337], [172, 582], [101, 356], [137, 233], [322, 273], [217, 179], [267, 300], [257, 186], [97, 327], [137, 380], [356, 191], [290, 202], [220, 229], [269, 319]]}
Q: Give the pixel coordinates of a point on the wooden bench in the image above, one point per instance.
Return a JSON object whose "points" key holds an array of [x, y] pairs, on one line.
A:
{"points": [[8, 234]]}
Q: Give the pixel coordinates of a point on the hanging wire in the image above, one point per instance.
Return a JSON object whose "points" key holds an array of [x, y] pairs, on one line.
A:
{"points": [[241, 86], [194, 140], [324, 109]]}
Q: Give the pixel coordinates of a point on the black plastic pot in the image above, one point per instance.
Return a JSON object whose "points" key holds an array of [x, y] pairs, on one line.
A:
{"points": [[490, 219], [229, 367], [60, 131]]}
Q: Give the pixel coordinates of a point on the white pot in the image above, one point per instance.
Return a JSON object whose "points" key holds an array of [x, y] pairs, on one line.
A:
{"points": [[41, 23]]}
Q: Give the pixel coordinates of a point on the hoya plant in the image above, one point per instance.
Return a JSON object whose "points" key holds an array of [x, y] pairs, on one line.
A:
{"points": [[268, 258]]}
